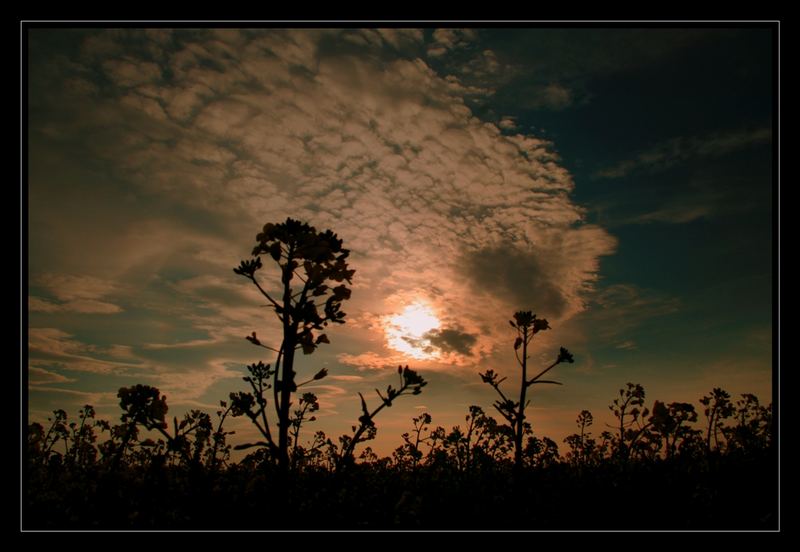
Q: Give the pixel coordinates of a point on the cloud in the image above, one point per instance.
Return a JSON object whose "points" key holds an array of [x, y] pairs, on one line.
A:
{"points": [[555, 96], [553, 69], [626, 345], [550, 54], [80, 294], [618, 309], [60, 348], [451, 340], [370, 361], [677, 150], [345, 378], [401, 38], [40, 376], [87, 306], [522, 278], [445, 40], [37, 304], [241, 128], [186, 390], [131, 73], [84, 397], [53, 340], [68, 288], [708, 193], [507, 123], [549, 275], [328, 396], [552, 96], [674, 214], [183, 344], [483, 68]]}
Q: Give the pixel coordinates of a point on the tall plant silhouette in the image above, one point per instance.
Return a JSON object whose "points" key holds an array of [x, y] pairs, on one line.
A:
{"points": [[143, 405], [318, 262], [629, 409], [584, 447], [671, 423], [718, 407], [527, 326], [411, 383]]}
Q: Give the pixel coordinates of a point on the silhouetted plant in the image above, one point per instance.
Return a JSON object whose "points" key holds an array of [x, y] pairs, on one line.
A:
{"points": [[481, 441], [607, 443], [312, 456], [718, 407], [254, 405], [409, 454], [221, 450], [411, 383], [308, 403], [56, 432], [120, 437], [527, 325], [36, 443], [540, 453], [583, 448], [192, 435], [753, 429], [368, 456], [670, 423], [493, 441], [143, 405], [463, 476], [436, 451], [645, 443], [629, 410], [293, 246], [82, 451]]}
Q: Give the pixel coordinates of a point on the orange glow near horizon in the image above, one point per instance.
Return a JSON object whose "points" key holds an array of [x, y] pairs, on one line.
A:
{"points": [[405, 331]]}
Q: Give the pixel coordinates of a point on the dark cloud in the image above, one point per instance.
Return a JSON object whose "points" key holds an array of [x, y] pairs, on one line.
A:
{"points": [[520, 277], [451, 340]]}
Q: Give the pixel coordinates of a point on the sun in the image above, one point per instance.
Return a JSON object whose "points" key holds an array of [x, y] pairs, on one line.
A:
{"points": [[406, 331]]}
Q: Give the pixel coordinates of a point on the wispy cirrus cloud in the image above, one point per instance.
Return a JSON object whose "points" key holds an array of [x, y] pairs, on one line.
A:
{"points": [[618, 310], [677, 150], [78, 294], [41, 376], [59, 347], [626, 345]]}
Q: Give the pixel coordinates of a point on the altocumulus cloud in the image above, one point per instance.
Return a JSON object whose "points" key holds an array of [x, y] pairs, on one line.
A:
{"points": [[227, 129]]}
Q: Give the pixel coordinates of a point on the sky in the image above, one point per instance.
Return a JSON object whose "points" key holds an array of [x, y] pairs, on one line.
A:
{"points": [[617, 182]]}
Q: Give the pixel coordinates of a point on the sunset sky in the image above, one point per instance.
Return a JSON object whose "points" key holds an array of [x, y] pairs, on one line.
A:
{"points": [[618, 183]]}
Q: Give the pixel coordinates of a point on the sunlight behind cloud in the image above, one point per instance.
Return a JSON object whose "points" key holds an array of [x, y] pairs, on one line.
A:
{"points": [[406, 332]]}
